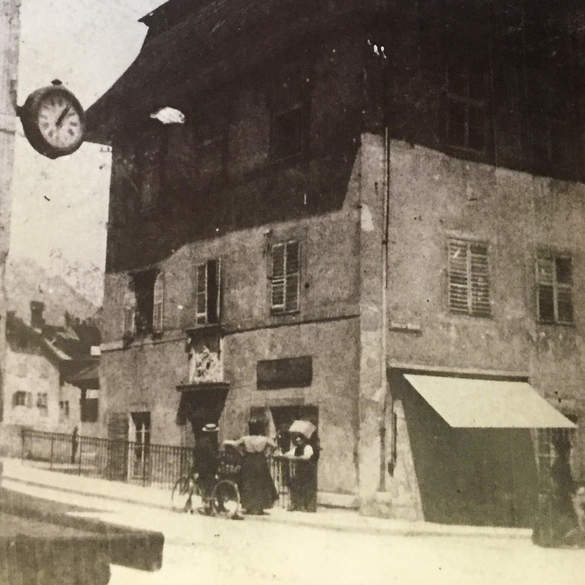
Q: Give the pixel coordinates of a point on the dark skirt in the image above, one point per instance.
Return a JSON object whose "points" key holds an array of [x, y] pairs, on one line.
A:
{"points": [[257, 489], [303, 486]]}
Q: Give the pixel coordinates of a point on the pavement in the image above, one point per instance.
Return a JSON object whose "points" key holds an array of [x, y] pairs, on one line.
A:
{"points": [[287, 548], [18, 474]]}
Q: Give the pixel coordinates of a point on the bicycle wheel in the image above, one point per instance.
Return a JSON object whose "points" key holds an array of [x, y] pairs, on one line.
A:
{"points": [[225, 499], [182, 494]]}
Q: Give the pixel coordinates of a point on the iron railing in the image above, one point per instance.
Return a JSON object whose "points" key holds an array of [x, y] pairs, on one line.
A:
{"points": [[130, 461]]}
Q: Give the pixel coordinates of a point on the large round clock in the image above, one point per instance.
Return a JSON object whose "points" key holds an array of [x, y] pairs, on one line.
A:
{"points": [[53, 120]]}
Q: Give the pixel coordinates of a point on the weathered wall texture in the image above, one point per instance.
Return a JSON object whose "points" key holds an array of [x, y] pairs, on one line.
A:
{"points": [[36, 375], [434, 197], [9, 35]]}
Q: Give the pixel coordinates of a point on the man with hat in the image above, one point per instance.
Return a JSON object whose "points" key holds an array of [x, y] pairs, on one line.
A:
{"points": [[206, 461]]}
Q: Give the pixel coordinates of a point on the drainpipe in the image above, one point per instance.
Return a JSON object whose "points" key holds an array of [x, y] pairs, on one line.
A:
{"points": [[384, 284]]}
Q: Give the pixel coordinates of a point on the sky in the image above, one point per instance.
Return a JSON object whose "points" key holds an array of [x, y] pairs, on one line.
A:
{"points": [[59, 208]]}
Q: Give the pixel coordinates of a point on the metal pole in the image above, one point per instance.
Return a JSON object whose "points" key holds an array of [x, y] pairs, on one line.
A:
{"points": [[80, 453], [51, 458]]}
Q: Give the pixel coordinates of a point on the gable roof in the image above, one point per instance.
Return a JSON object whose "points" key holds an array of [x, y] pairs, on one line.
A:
{"points": [[210, 46]]}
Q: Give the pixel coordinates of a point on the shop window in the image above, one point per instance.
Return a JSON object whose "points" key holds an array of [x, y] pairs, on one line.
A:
{"points": [[208, 292], [554, 276], [285, 277], [469, 284], [466, 105]]}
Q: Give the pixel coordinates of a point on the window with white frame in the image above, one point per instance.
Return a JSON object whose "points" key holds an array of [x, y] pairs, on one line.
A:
{"points": [[285, 277], [158, 303], [208, 292], [554, 276], [469, 283]]}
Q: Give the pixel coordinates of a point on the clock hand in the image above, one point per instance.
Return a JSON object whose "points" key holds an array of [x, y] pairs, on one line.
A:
{"points": [[62, 116]]}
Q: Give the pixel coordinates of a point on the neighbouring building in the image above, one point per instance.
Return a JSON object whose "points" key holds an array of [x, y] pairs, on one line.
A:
{"points": [[9, 37], [49, 372], [372, 218]]}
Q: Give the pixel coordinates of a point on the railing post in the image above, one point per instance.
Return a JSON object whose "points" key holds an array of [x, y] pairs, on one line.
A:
{"points": [[51, 457], [23, 435], [80, 455]]}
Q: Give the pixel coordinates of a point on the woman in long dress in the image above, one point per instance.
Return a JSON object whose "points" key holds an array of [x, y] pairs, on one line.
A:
{"points": [[257, 490]]}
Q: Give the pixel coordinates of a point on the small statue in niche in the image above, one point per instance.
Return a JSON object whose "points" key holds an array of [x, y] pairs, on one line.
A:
{"points": [[204, 365]]}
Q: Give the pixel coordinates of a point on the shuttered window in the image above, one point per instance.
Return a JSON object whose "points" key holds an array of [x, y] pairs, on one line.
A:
{"points": [[285, 280], [469, 285], [207, 294], [158, 303], [554, 276]]}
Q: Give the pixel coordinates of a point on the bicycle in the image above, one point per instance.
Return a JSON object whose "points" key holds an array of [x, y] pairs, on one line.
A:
{"points": [[223, 498]]}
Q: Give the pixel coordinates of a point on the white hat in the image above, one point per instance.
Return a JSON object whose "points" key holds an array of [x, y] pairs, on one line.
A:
{"points": [[210, 428]]}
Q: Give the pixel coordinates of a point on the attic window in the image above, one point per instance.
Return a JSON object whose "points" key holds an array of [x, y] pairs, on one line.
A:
{"points": [[287, 133], [289, 113]]}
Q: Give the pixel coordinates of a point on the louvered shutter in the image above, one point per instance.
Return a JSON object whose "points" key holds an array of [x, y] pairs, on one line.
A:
{"points": [[158, 303], [201, 295], [292, 261], [545, 279], [278, 277], [458, 277], [564, 281], [480, 284]]}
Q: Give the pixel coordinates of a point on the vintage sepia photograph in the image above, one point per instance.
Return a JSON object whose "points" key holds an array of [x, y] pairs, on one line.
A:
{"points": [[292, 292]]}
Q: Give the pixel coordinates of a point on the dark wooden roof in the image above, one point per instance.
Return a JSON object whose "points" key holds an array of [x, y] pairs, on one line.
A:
{"points": [[216, 43]]}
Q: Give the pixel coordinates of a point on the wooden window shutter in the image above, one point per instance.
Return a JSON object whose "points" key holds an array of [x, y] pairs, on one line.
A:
{"points": [[201, 295], [293, 263], [545, 279], [278, 277], [469, 285], [213, 290], [554, 277], [564, 280], [158, 302], [458, 277], [480, 284]]}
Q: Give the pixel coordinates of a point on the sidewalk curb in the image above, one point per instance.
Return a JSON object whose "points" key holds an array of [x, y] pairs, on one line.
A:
{"points": [[410, 531], [84, 493]]}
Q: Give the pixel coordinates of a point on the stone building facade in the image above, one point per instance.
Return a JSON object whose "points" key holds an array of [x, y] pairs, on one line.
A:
{"points": [[9, 35], [367, 203]]}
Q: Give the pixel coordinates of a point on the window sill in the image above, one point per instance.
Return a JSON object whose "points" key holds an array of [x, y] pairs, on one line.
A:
{"points": [[202, 327], [555, 324]]}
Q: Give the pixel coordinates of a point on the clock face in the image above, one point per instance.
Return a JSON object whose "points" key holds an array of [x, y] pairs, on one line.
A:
{"points": [[59, 121]]}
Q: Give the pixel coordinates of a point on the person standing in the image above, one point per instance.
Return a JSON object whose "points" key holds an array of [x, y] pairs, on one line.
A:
{"points": [[257, 489], [303, 480], [205, 462], [74, 442]]}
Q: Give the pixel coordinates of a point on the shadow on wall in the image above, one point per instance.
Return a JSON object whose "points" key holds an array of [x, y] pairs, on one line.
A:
{"points": [[470, 476]]}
